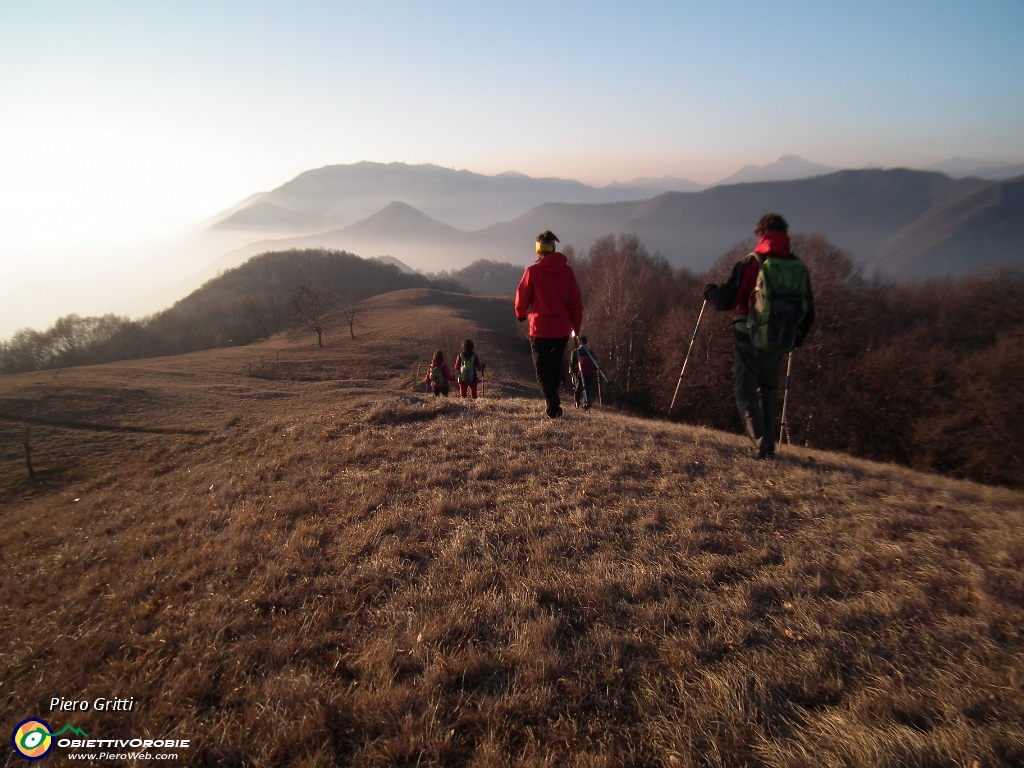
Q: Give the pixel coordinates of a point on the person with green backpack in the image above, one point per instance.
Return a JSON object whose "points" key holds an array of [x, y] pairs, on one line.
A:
{"points": [[439, 375], [770, 292], [467, 365]]}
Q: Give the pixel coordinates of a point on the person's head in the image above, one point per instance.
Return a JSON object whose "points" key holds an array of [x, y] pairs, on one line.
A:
{"points": [[582, 340], [546, 242], [771, 222], [467, 347], [438, 358]]}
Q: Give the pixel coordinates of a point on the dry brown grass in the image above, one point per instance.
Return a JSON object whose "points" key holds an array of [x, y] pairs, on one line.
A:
{"points": [[343, 572]]}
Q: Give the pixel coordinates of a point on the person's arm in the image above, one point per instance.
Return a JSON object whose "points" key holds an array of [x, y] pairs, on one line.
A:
{"points": [[724, 297], [448, 373], [524, 296]]}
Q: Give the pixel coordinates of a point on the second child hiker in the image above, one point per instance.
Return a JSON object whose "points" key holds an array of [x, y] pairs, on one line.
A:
{"points": [[549, 296], [584, 373], [770, 292], [467, 366], [439, 375]]}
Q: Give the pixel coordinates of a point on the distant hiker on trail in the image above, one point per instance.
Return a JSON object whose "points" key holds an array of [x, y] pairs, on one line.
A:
{"points": [[584, 373], [770, 291], [467, 364], [550, 296], [439, 375]]}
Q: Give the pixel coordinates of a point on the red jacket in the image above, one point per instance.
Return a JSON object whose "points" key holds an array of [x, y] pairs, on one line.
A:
{"points": [[735, 294], [744, 276], [550, 296], [445, 371]]}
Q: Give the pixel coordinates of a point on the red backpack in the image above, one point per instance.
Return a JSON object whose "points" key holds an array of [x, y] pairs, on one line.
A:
{"points": [[586, 363]]}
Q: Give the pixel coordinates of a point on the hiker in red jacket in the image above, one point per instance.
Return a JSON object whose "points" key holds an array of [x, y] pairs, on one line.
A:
{"points": [[550, 296], [756, 371], [439, 375]]}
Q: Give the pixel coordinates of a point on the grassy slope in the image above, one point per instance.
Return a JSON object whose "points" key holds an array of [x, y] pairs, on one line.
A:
{"points": [[282, 555]]}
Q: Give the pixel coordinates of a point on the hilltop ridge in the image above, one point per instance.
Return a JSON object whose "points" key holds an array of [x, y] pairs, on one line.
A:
{"points": [[293, 556]]}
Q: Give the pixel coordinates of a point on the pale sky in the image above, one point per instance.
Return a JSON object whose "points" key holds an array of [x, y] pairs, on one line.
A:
{"points": [[122, 121]]}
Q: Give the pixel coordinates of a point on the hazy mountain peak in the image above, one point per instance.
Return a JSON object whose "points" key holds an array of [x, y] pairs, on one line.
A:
{"points": [[398, 208], [399, 219], [786, 168]]}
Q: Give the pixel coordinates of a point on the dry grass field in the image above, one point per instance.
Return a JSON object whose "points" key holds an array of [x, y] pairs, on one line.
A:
{"points": [[294, 557]]}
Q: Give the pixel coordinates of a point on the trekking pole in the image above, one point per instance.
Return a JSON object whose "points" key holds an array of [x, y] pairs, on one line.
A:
{"points": [[784, 428], [687, 358], [598, 367]]}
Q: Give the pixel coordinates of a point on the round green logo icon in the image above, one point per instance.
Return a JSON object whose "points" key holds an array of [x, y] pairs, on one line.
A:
{"points": [[32, 739]]}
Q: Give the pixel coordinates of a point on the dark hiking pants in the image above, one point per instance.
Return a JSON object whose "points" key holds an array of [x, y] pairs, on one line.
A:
{"points": [[754, 373], [585, 389], [547, 359]]}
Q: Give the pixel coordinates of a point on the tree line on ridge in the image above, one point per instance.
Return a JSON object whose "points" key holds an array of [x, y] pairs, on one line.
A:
{"points": [[263, 296], [924, 374]]}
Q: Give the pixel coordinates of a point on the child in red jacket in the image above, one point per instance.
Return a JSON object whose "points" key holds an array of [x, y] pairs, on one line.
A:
{"points": [[439, 375]]}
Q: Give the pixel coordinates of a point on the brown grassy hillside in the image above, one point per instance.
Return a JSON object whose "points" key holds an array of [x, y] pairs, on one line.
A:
{"points": [[294, 558]]}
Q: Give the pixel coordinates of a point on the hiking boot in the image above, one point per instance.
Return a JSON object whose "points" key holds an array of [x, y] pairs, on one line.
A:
{"points": [[586, 406], [554, 411]]}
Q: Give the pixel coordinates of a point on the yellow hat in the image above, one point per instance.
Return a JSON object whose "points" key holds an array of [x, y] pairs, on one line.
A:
{"points": [[546, 242]]}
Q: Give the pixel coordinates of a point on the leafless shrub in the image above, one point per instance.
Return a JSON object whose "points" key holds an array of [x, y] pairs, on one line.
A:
{"points": [[310, 306]]}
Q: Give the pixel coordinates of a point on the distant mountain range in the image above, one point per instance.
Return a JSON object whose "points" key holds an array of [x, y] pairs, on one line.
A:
{"points": [[898, 223], [961, 216], [336, 196], [339, 195]]}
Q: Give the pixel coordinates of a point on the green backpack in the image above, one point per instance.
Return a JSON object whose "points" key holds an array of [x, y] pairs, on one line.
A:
{"points": [[467, 369], [778, 304], [436, 373]]}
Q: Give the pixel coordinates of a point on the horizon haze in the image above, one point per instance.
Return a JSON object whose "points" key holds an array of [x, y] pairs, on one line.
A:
{"points": [[125, 128]]}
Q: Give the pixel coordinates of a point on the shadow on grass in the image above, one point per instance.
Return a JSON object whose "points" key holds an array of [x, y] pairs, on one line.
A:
{"points": [[406, 410]]}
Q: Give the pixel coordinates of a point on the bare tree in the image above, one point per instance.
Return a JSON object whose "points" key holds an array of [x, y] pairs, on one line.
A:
{"points": [[626, 293], [310, 307], [349, 299]]}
